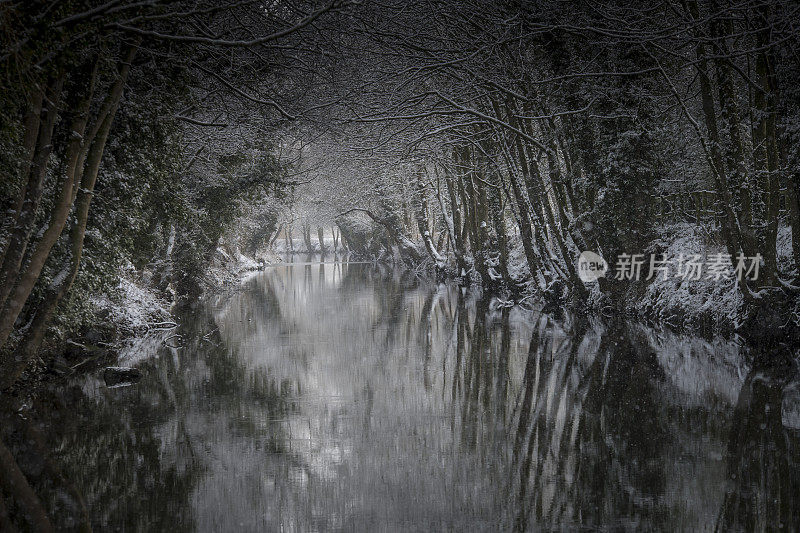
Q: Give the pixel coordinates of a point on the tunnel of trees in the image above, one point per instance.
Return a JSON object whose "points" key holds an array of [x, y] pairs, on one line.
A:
{"points": [[489, 143]]}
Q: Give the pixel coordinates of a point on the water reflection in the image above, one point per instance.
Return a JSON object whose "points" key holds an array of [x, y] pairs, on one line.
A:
{"points": [[346, 396], [763, 491]]}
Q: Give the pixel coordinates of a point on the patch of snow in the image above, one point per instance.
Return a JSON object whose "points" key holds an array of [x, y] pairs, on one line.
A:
{"points": [[134, 308], [681, 301], [230, 268]]}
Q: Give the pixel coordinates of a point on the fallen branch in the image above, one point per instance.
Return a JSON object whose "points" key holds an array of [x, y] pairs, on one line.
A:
{"points": [[162, 326]]}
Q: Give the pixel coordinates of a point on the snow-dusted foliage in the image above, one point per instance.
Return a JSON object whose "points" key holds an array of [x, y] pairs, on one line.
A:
{"points": [[132, 307], [491, 143], [684, 301]]}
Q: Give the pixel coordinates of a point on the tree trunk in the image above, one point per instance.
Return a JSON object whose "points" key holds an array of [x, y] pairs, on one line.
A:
{"points": [[5, 520], [421, 215], [728, 220], [321, 238], [477, 188], [289, 238], [307, 238], [59, 215], [729, 111], [63, 281], [458, 242], [20, 235], [498, 221], [767, 160], [32, 121], [275, 235]]}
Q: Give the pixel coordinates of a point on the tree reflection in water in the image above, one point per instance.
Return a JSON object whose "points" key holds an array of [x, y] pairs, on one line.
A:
{"points": [[348, 396], [763, 456]]}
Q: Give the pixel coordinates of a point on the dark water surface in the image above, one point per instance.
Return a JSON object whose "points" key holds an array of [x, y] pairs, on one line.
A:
{"points": [[326, 397]]}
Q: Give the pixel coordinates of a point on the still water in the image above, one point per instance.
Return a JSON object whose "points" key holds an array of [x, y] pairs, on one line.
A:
{"points": [[336, 396]]}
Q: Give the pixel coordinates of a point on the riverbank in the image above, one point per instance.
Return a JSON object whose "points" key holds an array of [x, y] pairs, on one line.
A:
{"points": [[706, 300], [118, 319], [111, 324]]}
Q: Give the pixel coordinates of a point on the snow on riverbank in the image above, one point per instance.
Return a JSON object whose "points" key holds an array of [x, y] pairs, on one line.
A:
{"points": [[682, 301], [687, 303], [142, 318], [228, 267], [135, 308], [679, 302]]}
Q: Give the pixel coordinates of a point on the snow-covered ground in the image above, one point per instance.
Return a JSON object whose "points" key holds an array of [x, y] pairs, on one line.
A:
{"points": [[135, 308], [229, 267], [682, 301]]}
